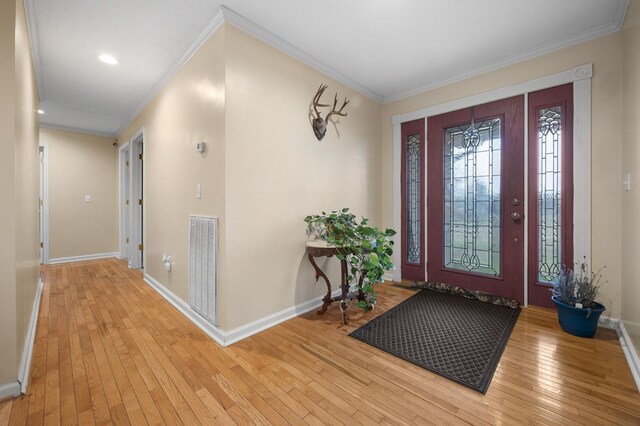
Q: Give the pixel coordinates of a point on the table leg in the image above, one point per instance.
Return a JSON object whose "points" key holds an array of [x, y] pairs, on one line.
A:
{"points": [[344, 285], [327, 299], [361, 295]]}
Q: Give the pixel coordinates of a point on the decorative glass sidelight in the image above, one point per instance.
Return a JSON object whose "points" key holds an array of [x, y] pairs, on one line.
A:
{"points": [[472, 203], [414, 222], [549, 193]]}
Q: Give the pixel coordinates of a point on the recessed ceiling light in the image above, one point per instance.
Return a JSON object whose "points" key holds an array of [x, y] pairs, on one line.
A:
{"points": [[108, 59], [40, 111]]}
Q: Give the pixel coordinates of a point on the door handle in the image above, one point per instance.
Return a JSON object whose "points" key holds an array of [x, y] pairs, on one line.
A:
{"points": [[515, 216]]}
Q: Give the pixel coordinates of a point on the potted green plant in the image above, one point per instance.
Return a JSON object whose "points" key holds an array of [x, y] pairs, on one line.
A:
{"points": [[574, 295], [366, 249]]}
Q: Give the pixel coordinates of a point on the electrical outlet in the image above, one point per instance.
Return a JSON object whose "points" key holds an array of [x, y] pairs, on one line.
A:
{"points": [[87, 198]]}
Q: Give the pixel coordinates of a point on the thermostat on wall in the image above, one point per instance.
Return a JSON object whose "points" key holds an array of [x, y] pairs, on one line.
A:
{"points": [[201, 147]]}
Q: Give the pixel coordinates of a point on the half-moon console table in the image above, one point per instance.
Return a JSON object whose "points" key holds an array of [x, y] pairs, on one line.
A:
{"points": [[319, 248]]}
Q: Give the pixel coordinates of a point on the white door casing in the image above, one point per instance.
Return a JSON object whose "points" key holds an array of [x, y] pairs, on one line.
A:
{"points": [[44, 203], [136, 234], [124, 186]]}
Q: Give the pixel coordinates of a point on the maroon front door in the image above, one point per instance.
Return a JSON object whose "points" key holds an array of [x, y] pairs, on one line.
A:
{"points": [[475, 197], [412, 181]]}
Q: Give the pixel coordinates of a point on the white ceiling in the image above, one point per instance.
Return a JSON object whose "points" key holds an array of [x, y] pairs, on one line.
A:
{"points": [[386, 49]]}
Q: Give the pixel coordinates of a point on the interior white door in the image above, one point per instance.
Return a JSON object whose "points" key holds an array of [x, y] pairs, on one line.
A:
{"points": [[136, 231], [41, 206], [125, 204]]}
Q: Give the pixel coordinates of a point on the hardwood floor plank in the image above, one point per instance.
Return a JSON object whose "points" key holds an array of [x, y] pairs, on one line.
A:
{"points": [[68, 409], [5, 412], [99, 403], [356, 392], [110, 350], [217, 411], [52, 381]]}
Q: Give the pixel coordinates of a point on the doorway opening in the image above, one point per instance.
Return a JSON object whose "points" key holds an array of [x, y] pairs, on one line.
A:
{"points": [[136, 223], [43, 204], [125, 201], [498, 206]]}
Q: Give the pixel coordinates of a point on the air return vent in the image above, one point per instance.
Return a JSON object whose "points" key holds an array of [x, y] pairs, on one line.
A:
{"points": [[203, 254]]}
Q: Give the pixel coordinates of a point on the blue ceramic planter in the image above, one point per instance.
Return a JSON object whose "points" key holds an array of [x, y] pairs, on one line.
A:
{"points": [[578, 321]]}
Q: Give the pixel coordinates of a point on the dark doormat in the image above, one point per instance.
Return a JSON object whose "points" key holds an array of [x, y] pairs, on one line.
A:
{"points": [[458, 338]]}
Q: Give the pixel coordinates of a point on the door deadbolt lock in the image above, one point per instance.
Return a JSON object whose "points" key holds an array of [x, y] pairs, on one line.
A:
{"points": [[515, 216], [515, 202]]}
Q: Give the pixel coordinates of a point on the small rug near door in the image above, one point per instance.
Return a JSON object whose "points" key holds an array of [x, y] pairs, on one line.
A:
{"points": [[456, 337], [471, 294]]}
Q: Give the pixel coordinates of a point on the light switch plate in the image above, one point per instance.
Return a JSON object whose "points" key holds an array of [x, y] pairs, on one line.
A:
{"points": [[626, 183], [198, 191]]}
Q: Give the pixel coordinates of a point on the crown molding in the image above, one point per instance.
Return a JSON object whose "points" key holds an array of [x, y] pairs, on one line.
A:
{"points": [[281, 44], [215, 22], [603, 30], [224, 14], [75, 130], [572, 75], [32, 30], [621, 13]]}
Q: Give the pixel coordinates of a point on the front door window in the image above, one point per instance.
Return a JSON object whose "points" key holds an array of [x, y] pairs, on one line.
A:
{"points": [[472, 201]]}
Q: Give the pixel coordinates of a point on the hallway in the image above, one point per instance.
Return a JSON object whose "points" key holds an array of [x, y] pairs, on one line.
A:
{"points": [[109, 349]]}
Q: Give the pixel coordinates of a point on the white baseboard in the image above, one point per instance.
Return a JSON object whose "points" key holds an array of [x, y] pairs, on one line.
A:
{"points": [[269, 321], [211, 330], [388, 276], [19, 387], [632, 327], [25, 363], [630, 351], [82, 258], [226, 338], [608, 322], [9, 390]]}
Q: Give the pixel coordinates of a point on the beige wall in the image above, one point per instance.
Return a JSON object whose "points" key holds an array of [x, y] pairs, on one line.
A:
{"points": [[631, 164], [81, 164], [263, 172], [278, 172], [189, 109], [605, 54], [27, 176], [8, 356], [18, 187]]}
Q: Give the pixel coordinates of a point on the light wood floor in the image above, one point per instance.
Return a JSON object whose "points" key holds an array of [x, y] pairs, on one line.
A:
{"points": [[110, 350]]}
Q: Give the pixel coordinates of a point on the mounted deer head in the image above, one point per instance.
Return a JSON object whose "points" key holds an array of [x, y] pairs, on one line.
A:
{"points": [[319, 124]]}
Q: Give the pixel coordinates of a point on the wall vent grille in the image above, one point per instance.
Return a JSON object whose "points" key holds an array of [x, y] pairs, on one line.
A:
{"points": [[203, 254]]}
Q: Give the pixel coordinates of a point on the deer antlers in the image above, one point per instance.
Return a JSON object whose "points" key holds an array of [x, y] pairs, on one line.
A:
{"points": [[320, 124]]}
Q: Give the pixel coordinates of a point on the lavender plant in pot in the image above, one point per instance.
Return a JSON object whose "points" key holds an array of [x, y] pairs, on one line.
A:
{"points": [[574, 295]]}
